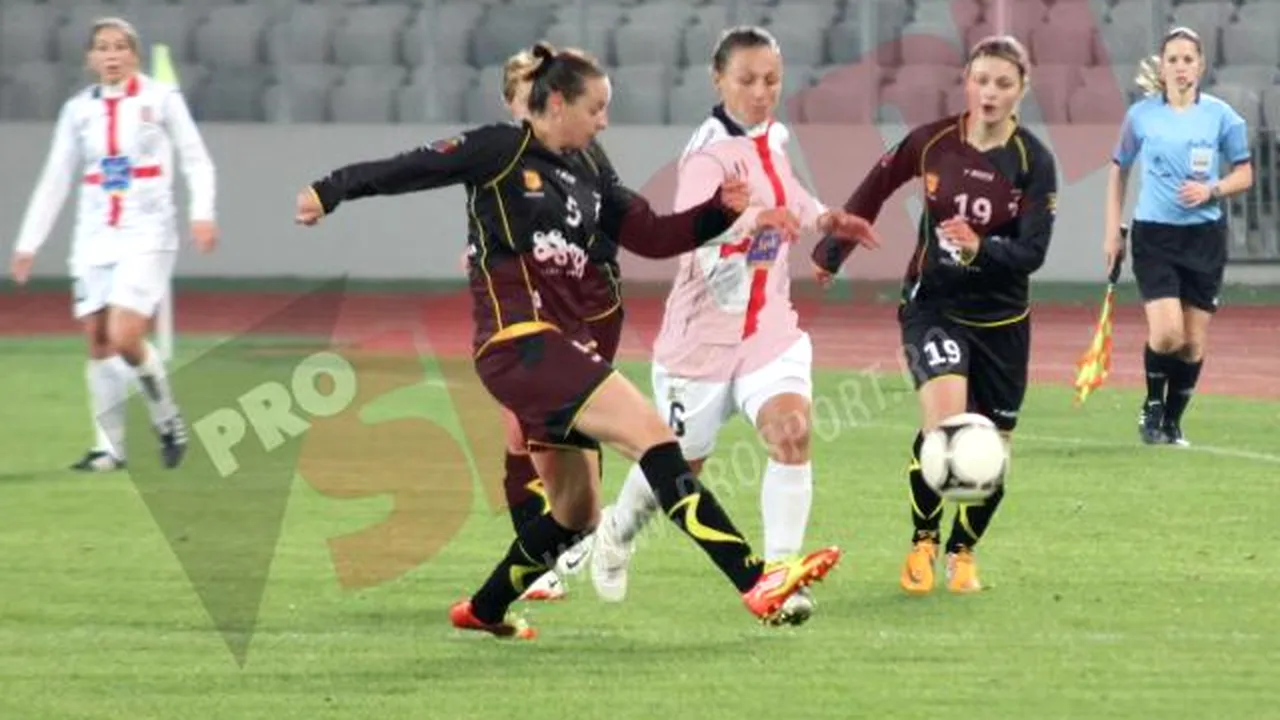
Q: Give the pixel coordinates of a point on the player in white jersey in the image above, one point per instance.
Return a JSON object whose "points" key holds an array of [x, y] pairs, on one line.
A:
{"points": [[116, 141], [730, 341]]}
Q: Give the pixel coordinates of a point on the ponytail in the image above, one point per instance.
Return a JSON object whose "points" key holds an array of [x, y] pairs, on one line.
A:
{"points": [[1149, 77]]}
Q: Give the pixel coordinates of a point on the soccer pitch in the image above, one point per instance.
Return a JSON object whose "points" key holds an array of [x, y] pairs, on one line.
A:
{"points": [[1124, 581]]}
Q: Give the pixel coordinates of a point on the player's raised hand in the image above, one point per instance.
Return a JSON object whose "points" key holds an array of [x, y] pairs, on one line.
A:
{"points": [[205, 235], [309, 210], [20, 267], [780, 219], [847, 226]]}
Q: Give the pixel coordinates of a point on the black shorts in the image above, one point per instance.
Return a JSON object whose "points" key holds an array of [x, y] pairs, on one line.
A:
{"points": [[995, 359], [544, 379], [1186, 262]]}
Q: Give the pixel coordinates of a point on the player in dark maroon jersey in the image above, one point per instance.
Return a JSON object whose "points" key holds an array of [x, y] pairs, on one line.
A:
{"points": [[533, 212], [990, 191]]}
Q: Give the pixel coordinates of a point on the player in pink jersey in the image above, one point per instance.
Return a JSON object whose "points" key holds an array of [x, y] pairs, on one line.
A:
{"points": [[730, 340]]}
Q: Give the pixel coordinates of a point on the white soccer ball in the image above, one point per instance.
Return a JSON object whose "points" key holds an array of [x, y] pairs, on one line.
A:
{"points": [[964, 459]]}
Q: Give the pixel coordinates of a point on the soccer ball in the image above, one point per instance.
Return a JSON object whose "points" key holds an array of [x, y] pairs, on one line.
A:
{"points": [[964, 459]]}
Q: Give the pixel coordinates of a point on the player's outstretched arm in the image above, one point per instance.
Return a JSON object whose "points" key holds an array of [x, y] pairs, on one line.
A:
{"points": [[475, 157]]}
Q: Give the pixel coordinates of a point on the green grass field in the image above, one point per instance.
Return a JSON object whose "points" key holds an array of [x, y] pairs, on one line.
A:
{"points": [[1124, 581]]}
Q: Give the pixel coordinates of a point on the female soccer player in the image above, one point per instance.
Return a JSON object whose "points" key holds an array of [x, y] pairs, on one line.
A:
{"points": [[534, 210], [730, 341], [525, 495], [1179, 230], [990, 191], [119, 135]]}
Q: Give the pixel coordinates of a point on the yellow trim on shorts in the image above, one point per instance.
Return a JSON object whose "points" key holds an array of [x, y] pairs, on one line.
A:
{"points": [[517, 330], [573, 422], [597, 318], [993, 323]]}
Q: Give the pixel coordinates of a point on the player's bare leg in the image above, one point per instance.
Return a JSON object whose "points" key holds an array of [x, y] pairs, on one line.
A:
{"points": [[573, 491], [618, 414], [1166, 338], [786, 491], [127, 334], [939, 399], [108, 384], [1184, 372]]}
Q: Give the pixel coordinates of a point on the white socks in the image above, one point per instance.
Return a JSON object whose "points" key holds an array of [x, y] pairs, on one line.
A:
{"points": [[108, 381], [154, 384], [635, 505], [786, 495]]}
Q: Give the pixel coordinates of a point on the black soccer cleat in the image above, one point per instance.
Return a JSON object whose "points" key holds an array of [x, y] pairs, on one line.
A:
{"points": [[98, 461], [1173, 434], [173, 442], [1151, 423]]}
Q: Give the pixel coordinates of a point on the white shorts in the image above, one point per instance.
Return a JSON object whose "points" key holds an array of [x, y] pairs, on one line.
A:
{"points": [[137, 283], [698, 409]]}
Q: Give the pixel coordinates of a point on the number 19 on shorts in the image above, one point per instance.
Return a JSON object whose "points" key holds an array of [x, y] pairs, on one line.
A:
{"points": [[942, 352]]}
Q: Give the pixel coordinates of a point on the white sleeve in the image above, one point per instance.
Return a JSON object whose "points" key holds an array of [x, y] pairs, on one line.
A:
{"points": [[197, 166], [60, 168]]}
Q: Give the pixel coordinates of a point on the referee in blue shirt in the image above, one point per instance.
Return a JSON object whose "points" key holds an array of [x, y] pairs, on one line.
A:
{"points": [[1179, 236]]}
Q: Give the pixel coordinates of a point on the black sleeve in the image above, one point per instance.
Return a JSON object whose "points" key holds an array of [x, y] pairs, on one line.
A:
{"points": [[473, 157], [628, 219], [895, 169], [1025, 254]]}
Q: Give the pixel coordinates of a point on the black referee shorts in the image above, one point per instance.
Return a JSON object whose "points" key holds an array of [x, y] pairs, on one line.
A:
{"points": [[1186, 262]]}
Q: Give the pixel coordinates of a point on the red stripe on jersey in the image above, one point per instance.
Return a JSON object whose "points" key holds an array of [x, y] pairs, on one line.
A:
{"points": [[760, 278], [113, 143]]}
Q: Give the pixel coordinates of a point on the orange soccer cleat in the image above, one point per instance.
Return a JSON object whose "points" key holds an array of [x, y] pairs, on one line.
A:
{"points": [[780, 580], [463, 618]]}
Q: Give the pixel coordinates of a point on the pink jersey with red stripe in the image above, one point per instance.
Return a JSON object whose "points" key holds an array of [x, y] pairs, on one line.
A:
{"points": [[729, 310]]}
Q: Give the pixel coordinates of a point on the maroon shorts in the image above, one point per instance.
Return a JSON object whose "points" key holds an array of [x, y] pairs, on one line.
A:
{"points": [[544, 379], [607, 332]]}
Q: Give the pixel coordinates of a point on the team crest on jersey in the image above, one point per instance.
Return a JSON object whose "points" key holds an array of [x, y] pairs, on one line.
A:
{"points": [[532, 181], [148, 115], [931, 183], [446, 145], [764, 247]]}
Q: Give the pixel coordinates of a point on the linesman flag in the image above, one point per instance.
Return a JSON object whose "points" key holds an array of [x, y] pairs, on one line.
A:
{"points": [[162, 65], [1095, 365]]}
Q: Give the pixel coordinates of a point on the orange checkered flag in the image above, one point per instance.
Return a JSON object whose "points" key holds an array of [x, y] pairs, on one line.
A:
{"points": [[1095, 365]]}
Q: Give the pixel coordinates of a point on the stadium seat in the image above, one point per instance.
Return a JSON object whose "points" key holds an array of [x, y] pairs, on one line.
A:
{"points": [[672, 13], [1259, 76], [72, 36], [566, 34], [25, 32], [844, 43], [842, 95], [1123, 43], [958, 13], [1271, 110], [640, 94], [173, 25], [1245, 100], [639, 44], [483, 102], [1051, 88], [606, 14], [304, 35], [1135, 14], [1203, 16], [1076, 14], [1094, 105], [231, 37], [1264, 14], [954, 100], [1069, 45], [300, 93], [33, 90], [232, 95], [500, 31], [801, 42], [1252, 42], [435, 97], [817, 13], [371, 34], [448, 34], [363, 103], [915, 100]]}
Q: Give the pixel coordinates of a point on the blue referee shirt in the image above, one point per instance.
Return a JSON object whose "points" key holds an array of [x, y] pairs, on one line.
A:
{"points": [[1176, 146]]}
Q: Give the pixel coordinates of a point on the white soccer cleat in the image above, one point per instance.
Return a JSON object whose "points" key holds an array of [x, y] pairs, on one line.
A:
{"points": [[609, 561], [574, 560], [546, 588]]}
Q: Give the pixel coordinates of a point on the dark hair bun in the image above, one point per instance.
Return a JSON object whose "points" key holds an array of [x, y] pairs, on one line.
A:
{"points": [[544, 51]]}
